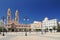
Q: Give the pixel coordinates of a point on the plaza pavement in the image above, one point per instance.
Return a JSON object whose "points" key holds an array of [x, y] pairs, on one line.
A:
{"points": [[31, 36]]}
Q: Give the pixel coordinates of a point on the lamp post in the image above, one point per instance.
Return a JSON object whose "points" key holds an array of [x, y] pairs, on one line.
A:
{"points": [[3, 26], [42, 29], [26, 19]]}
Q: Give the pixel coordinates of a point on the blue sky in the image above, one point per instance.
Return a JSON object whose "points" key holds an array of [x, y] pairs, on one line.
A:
{"points": [[33, 9]]}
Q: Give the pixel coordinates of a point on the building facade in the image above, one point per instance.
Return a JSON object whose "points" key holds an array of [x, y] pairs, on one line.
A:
{"points": [[49, 23], [59, 23], [14, 25], [36, 25]]}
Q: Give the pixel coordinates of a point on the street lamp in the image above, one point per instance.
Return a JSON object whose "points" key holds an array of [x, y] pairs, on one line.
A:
{"points": [[26, 19], [3, 26], [42, 29], [0, 25]]}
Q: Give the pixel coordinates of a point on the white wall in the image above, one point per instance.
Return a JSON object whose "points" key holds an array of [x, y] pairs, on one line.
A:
{"points": [[49, 23]]}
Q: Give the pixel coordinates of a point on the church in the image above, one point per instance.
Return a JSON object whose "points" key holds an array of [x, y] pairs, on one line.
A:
{"points": [[14, 25]]}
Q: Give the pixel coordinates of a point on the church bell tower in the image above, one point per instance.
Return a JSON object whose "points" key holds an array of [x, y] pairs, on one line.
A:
{"points": [[16, 16], [9, 15]]}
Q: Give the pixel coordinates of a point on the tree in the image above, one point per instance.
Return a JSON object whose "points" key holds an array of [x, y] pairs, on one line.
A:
{"points": [[50, 30], [58, 29], [38, 29], [46, 30], [54, 28], [0, 29], [25, 29]]}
